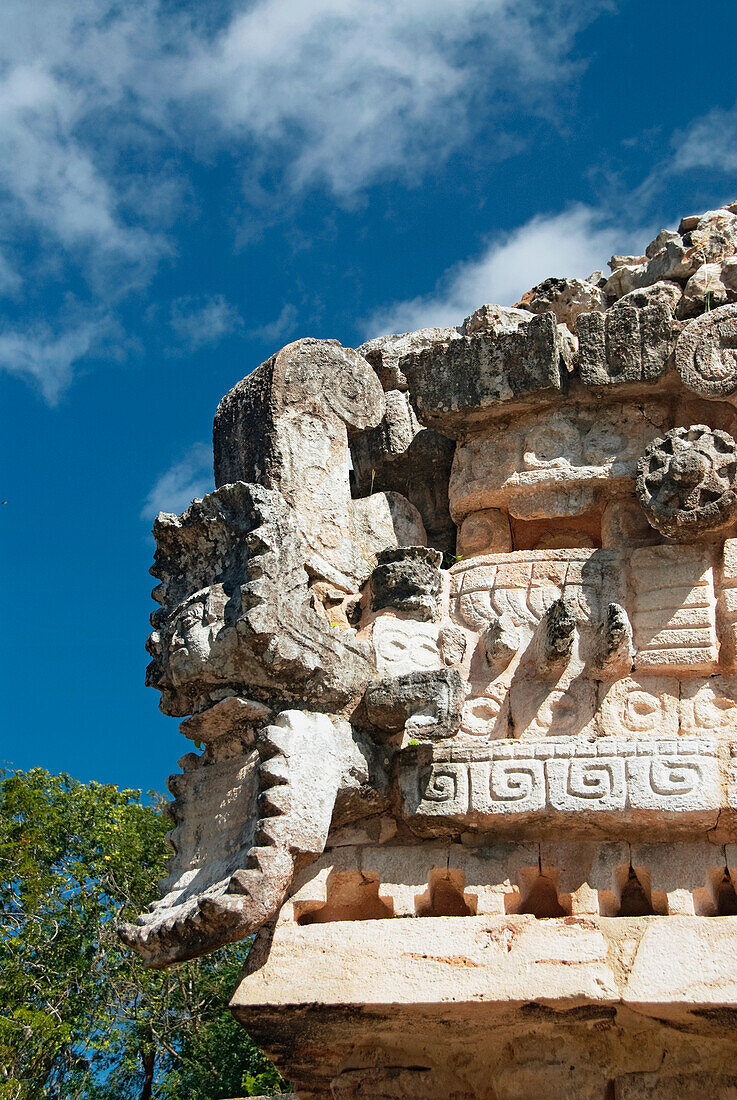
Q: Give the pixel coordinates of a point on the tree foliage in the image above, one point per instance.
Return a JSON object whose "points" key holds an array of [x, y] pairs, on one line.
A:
{"points": [[80, 1018]]}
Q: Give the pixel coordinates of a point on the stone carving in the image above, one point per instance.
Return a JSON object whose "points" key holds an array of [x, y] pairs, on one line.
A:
{"points": [[540, 709], [254, 624], [407, 580], [504, 780], [709, 706], [641, 706], [566, 298], [627, 344], [686, 482], [405, 645], [674, 608], [451, 383], [727, 604], [287, 427], [498, 734], [284, 788], [706, 353], [551, 463], [400, 456], [426, 704]]}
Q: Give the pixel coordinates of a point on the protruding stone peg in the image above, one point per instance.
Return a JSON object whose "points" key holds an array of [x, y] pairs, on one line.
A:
{"points": [[559, 631], [615, 640], [501, 640]]}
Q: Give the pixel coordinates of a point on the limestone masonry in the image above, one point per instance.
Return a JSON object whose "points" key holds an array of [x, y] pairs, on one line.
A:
{"points": [[455, 638]]}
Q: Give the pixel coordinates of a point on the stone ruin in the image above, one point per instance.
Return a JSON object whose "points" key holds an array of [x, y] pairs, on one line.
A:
{"points": [[456, 635]]}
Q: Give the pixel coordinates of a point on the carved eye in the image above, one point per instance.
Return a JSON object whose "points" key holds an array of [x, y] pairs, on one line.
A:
{"points": [[641, 710], [391, 647], [192, 617], [426, 654]]}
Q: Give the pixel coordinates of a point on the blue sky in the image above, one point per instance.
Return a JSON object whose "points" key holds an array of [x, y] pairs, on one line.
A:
{"points": [[186, 187]]}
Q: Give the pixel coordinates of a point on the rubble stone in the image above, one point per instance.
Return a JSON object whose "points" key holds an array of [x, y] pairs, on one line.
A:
{"points": [[565, 298]]}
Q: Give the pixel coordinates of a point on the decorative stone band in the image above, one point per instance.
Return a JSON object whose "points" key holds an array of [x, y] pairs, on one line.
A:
{"points": [[610, 784]]}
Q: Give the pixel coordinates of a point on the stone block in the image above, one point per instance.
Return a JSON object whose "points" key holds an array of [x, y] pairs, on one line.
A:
{"points": [[624, 345], [467, 380], [674, 608]]}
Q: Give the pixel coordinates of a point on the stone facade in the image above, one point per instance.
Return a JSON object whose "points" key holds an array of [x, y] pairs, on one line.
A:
{"points": [[456, 638]]}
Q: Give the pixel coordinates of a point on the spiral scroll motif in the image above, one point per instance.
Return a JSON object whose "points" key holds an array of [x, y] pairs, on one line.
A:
{"points": [[686, 482]]}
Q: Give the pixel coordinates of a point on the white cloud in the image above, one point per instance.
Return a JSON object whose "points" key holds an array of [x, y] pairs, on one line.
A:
{"points": [[65, 68], [99, 99], [47, 358], [10, 280], [708, 142], [344, 93], [182, 483], [573, 243], [199, 322], [279, 328]]}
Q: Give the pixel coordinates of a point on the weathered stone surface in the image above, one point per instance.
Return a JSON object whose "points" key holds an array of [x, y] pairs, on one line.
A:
{"points": [[559, 630], [501, 640], [492, 320], [550, 463], [714, 237], [673, 608], [555, 1033], [706, 353], [524, 747], [662, 239], [627, 344], [385, 352], [407, 580], [233, 589], [405, 645], [456, 384], [315, 376], [286, 426], [224, 884], [686, 482], [646, 784], [625, 277], [484, 530], [704, 291], [662, 293], [401, 456], [676, 260], [423, 704], [566, 298]]}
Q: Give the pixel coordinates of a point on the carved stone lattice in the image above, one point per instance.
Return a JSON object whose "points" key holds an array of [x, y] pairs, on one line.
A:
{"points": [[686, 482]]}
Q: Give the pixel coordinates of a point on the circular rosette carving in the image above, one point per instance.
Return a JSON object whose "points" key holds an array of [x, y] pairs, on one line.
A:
{"points": [[686, 482], [706, 353]]}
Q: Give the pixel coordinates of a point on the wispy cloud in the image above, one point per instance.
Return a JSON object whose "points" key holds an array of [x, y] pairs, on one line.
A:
{"points": [[708, 142], [99, 99], [199, 322], [10, 280], [279, 328], [572, 243], [47, 358], [65, 70], [341, 94], [186, 480]]}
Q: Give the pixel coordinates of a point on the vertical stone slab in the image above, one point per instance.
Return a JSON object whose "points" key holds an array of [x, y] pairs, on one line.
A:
{"points": [[674, 614]]}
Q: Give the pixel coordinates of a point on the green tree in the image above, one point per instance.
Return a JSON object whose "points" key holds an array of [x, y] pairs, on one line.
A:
{"points": [[80, 1018]]}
